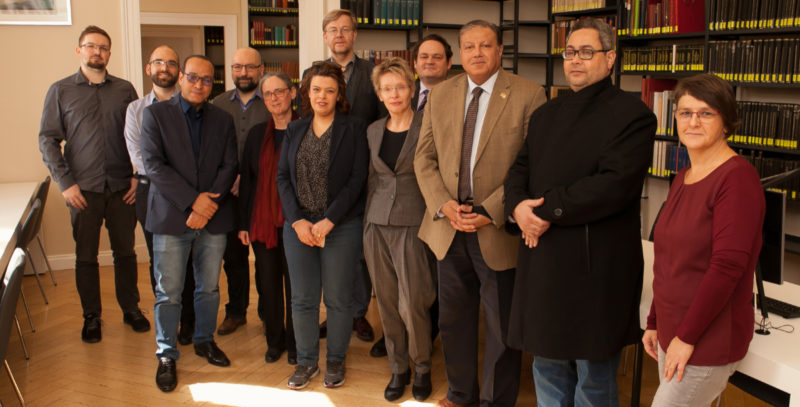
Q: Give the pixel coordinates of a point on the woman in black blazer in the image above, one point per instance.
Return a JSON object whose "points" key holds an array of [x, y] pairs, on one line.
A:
{"points": [[321, 178]]}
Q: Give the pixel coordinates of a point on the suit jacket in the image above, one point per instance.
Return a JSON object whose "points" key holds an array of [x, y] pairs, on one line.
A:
{"points": [[176, 180], [393, 196], [415, 99], [347, 169], [438, 160]]}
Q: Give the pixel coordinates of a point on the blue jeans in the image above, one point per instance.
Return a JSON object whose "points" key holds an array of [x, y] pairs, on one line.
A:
{"points": [[580, 383], [313, 270], [170, 256]]}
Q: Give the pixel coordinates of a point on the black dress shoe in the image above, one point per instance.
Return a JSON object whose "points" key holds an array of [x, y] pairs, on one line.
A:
{"points": [[185, 334], [273, 354], [363, 329], [166, 375], [291, 357], [136, 320], [91, 329], [396, 387], [212, 353], [422, 386], [378, 350]]}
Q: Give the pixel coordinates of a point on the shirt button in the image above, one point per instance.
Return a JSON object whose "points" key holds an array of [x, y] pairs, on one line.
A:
{"points": [[558, 212]]}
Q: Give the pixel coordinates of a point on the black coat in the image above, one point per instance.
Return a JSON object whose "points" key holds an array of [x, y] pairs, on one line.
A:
{"points": [[577, 294]]}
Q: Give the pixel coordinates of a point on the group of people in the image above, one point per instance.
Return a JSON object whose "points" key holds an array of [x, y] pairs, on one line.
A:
{"points": [[439, 195]]}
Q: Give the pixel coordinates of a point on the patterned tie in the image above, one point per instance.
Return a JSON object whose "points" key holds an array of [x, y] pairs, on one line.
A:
{"points": [[464, 174], [423, 100]]}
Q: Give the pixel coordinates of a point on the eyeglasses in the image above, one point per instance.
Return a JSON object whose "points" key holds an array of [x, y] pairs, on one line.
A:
{"points": [[705, 116], [281, 92], [193, 78], [158, 63], [336, 31], [239, 67], [389, 89], [95, 47], [583, 53]]}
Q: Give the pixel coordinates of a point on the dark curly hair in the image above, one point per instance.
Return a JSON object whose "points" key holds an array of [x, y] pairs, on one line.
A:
{"points": [[331, 70]]}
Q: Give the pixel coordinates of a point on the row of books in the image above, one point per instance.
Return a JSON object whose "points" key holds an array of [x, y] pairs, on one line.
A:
{"points": [[291, 68], [767, 166], [774, 60], [384, 12], [657, 94], [674, 58], [564, 6], [768, 125], [379, 56], [753, 14], [272, 5], [262, 35], [668, 158], [214, 35], [559, 30], [648, 17]]}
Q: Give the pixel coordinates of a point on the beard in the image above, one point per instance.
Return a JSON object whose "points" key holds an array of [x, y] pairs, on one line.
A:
{"points": [[96, 65], [243, 86], [168, 81]]}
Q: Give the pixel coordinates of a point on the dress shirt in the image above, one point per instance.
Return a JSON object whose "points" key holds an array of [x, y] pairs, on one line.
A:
{"points": [[483, 105], [133, 128], [244, 118], [194, 121], [420, 97], [90, 120], [347, 70]]}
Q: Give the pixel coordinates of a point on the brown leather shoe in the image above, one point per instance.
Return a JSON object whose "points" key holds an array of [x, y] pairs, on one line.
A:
{"points": [[363, 329], [447, 403], [230, 324]]}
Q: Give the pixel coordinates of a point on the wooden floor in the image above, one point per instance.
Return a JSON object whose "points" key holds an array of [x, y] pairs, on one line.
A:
{"points": [[120, 370]]}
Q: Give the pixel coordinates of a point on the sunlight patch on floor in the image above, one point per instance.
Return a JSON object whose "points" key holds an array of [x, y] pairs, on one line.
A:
{"points": [[243, 395]]}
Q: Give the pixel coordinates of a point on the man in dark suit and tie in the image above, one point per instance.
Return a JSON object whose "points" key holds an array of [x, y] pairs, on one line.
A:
{"points": [[432, 59], [189, 152], [473, 126]]}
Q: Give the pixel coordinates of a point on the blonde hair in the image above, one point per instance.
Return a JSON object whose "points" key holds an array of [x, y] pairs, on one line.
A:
{"points": [[394, 65], [334, 15]]}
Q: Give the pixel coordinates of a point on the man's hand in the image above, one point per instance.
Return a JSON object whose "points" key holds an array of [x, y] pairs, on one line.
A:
{"points": [[320, 230], [235, 187], [204, 205], [196, 221], [532, 226], [74, 197], [130, 196], [468, 221], [450, 210], [244, 237], [303, 230]]}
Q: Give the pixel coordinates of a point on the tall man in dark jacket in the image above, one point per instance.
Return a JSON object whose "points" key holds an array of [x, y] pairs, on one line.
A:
{"points": [[86, 111], [189, 152], [574, 193]]}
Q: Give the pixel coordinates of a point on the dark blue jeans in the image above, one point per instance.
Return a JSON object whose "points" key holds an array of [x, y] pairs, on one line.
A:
{"points": [[579, 383]]}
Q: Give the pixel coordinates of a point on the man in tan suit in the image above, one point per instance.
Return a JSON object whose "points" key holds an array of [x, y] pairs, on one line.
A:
{"points": [[473, 127]]}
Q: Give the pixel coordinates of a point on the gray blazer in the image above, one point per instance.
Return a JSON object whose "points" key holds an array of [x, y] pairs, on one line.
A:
{"points": [[393, 196]]}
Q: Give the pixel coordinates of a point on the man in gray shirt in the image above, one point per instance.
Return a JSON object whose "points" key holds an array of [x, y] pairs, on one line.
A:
{"points": [[86, 111], [248, 109]]}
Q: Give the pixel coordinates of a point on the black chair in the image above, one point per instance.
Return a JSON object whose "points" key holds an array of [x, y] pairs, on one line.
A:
{"points": [[41, 195], [26, 237], [12, 282]]}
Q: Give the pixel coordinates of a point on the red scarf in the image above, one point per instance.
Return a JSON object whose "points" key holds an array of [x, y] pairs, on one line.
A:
{"points": [[267, 214]]}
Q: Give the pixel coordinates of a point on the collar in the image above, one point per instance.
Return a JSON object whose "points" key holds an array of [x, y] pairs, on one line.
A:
{"points": [[151, 97], [350, 62], [487, 86], [235, 96], [422, 88], [187, 107], [80, 78], [594, 89]]}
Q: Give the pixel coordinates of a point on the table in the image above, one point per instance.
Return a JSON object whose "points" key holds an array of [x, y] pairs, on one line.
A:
{"points": [[15, 199], [772, 359]]}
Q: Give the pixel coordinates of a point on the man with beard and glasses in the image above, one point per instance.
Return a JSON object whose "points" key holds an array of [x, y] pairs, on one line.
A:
{"points": [[248, 109], [86, 112], [162, 67]]}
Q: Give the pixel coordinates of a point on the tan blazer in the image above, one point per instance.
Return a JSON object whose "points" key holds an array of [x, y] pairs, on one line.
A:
{"points": [[438, 159]]}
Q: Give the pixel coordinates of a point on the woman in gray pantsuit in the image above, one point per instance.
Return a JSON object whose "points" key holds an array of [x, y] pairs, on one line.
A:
{"points": [[397, 260]]}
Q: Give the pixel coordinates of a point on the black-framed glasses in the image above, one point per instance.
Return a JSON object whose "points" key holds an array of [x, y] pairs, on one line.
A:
{"points": [[193, 78], [343, 30], [158, 63], [583, 53], [95, 47], [281, 92], [250, 67]]}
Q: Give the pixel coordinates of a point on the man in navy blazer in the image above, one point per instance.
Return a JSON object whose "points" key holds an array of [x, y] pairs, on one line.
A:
{"points": [[189, 152]]}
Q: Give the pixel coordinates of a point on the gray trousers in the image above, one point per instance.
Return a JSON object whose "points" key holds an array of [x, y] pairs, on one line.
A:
{"points": [[699, 387], [402, 278]]}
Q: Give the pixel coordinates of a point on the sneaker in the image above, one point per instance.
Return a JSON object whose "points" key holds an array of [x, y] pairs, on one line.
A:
{"points": [[302, 376], [334, 374]]}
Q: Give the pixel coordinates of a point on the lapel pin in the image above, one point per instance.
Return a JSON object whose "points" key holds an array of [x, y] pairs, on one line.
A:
{"points": [[503, 95]]}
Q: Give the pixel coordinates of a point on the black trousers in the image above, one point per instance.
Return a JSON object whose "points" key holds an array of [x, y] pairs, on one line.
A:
{"points": [[274, 294], [187, 296], [466, 283], [120, 221], [237, 270]]}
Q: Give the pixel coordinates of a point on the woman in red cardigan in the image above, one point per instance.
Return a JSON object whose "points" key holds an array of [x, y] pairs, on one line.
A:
{"points": [[706, 244]]}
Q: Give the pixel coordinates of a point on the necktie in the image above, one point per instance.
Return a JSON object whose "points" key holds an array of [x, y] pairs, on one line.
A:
{"points": [[464, 173], [423, 100]]}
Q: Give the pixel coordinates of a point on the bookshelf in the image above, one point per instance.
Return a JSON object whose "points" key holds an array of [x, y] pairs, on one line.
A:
{"points": [[273, 31], [214, 39]]}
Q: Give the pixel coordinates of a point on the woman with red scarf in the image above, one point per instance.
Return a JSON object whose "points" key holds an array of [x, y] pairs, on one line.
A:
{"points": [[261, 215]]}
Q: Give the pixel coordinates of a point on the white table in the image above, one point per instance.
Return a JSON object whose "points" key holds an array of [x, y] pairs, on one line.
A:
{"points": [[15, 199], [772, 359]]}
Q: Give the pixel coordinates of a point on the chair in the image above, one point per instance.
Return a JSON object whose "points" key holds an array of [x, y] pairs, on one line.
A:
{"points": [[12, 282], [27, 235], [41, 194]]}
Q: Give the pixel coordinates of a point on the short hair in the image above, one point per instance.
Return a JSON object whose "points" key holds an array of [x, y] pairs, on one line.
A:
{"points": [[278, 74], [331, 70], [480, 23], [604, 31], [93, 29], [335, 14], [715, 92], [198, 56], [177, 57], [394, 65], [448, 51]]}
